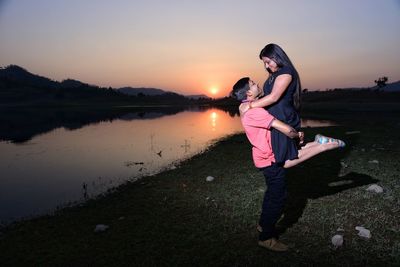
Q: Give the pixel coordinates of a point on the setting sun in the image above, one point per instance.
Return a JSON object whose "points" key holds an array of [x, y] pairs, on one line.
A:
{"points": [[214, 90]]}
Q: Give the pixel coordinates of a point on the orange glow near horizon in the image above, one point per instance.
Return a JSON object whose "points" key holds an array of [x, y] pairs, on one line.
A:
{"points": [[214, 90]]}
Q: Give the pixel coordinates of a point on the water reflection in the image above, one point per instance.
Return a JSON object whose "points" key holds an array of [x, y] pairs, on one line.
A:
{"points": [[20, 125], [76, 157], [67, 165], [213, 120]]}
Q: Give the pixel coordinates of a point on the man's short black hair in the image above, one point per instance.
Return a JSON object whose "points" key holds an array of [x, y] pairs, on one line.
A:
{"points": [[240, 88]]}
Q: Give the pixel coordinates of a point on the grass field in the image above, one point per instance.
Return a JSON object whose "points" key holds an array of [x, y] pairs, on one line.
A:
{"points": [[177, 218]]}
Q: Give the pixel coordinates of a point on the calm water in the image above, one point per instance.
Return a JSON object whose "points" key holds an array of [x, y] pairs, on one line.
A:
{"points": [[64, 163]]}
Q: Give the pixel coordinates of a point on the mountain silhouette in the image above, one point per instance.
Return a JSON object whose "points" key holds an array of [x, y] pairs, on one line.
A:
{"points": [[154, 91], [142, 90], [71, 83], [19, 86], [198, 96], [391, 87], [17, 74]]}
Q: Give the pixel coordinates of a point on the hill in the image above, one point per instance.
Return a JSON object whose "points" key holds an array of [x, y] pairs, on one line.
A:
{"points": [[20, 87], [17, 74], [198, 97], [391, 87], [154, 92], [141, 90], [387, 93]]}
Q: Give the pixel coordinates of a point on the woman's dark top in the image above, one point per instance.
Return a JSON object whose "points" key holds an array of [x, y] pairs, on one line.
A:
{"points": [[284, 147]]}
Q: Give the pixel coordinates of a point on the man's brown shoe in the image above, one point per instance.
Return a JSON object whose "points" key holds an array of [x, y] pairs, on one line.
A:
{"points": [[273, 244]]}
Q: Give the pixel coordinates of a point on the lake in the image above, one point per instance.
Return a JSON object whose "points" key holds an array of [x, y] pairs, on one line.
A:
{"points": [[51, 158]]}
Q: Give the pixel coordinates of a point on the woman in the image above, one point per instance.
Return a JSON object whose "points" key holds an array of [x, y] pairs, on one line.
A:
{"points": [[282, 92]]}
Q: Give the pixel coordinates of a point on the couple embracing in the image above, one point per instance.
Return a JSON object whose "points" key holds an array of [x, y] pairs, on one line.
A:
{"points": [[270, 118]]}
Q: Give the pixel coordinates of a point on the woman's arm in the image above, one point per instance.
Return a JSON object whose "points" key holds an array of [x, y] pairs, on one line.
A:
{"points": [[285, 129], [281, 84]]}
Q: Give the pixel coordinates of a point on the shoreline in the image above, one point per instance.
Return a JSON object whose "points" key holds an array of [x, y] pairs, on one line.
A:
{"points": [[4, 224]]}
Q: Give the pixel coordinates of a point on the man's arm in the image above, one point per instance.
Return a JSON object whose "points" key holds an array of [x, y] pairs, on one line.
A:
{"points": [[260, 118], [285, 129]]}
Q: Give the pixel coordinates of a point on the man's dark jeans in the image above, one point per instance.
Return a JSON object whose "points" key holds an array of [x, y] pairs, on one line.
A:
{"points": [[274, 200]]}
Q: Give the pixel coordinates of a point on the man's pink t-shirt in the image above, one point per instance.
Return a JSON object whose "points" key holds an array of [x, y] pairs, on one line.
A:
{"points": [[256, 123]]}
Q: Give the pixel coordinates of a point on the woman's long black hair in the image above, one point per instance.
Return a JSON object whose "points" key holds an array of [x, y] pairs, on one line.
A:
{"points": [[276, 53]]}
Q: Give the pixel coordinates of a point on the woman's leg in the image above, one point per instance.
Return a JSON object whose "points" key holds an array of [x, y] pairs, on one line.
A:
{"points": [[310, 150], [310, 144]]}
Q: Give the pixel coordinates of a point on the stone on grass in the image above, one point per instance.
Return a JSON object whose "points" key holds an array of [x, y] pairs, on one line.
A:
{"points": [[101, 228], [375, 188], [374, 161], [210, 179], [337, 241], [363, 232]]}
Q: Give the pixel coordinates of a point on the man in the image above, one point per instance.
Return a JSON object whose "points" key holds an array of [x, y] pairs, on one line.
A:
{"points": [[257, 123]]}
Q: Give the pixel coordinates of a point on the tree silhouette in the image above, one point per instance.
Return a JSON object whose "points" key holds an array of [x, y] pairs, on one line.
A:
{"points": [[381, 82]]}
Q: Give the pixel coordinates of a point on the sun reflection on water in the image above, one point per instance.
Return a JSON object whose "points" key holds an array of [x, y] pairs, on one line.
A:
{"points": [[213, 120]]}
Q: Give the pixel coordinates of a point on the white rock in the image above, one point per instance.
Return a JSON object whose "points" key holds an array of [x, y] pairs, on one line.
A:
{"points": [[101, 228], [363, 232], [374, 161], [337, 241], [210, 179], [375, 188]]}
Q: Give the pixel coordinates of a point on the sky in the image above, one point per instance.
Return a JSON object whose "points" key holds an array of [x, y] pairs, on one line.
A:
{"points": [[201, 47]]}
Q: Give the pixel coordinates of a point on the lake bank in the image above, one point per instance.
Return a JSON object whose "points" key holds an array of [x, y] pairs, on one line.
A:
{"points": [[60, 156], [177, 218], [57, 156]]}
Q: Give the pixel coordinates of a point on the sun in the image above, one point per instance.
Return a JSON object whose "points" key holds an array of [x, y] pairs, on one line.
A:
{"points": [[214, 90]]}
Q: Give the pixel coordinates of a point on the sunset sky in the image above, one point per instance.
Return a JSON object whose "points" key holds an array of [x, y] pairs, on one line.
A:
{"points": [[200, 47]]}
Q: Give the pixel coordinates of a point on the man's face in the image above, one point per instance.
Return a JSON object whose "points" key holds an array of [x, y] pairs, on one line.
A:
{"points": [[254, 89]]}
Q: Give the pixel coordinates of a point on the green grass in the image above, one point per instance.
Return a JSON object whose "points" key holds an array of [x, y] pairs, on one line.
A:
{"points": [[176, 218]]}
